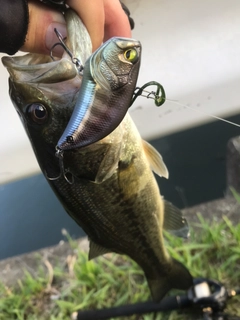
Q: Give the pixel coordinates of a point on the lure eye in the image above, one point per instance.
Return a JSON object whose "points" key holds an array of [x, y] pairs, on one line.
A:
{"points": [[131, 55], [38, 113]]}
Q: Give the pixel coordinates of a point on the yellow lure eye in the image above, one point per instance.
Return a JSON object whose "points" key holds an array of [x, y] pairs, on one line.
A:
{"points": [[131, 55]]}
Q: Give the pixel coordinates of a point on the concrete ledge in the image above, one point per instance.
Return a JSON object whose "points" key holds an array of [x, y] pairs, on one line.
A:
{"points": [[215, 210], [12, 269]]}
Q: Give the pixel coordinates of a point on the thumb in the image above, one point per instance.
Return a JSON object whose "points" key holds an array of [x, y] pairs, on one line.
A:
{"points": [[41, 36]]}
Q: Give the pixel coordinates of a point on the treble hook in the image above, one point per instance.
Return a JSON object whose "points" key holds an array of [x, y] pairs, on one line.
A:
{"points": [[63, 171], [159, 95], [74, 60]]}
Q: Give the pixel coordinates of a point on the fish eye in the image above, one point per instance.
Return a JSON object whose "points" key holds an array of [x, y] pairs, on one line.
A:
{"points": [[38, 113], [131, 55]]}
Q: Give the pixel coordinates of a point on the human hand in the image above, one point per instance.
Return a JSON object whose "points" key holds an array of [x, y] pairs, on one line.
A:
{"points": [[102, 18]]}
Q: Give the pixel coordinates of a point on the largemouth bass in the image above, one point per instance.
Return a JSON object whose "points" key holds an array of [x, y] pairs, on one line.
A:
{"points": [[114, 196]]}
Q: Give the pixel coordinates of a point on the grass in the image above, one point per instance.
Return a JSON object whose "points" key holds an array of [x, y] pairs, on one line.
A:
{"points": [[213, 251]]}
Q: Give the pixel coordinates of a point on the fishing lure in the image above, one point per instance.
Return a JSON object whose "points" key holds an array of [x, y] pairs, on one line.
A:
{"points": [[107, 91], [108, 84]]}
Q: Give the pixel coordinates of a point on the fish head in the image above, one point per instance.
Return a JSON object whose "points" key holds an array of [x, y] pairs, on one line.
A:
{"points": [[44, 91], [116, 63]]}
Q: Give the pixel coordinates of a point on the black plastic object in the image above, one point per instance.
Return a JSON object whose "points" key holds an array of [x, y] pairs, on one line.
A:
{"points": [[216, 300], [167, 304]]}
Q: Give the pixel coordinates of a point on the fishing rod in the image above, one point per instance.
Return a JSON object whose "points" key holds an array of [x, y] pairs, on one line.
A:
{"points": [[207, 296]]}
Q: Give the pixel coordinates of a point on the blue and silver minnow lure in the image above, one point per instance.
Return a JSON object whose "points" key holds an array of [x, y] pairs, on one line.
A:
{"points": [[108, 84]]}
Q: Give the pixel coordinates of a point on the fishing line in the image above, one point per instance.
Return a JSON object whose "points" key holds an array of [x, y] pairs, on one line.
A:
{"points": [[204, 112], [159, 97]]}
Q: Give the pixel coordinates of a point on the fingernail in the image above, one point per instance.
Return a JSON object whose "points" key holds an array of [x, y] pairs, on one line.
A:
{"points": [[51, 37]]}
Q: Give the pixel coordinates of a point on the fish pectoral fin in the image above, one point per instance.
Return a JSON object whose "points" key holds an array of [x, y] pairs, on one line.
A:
{"points": [[96, 250], [109, 163], [155, 160], [174, 222]]}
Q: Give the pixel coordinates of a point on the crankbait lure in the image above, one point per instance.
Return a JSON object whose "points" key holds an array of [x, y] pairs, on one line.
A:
{"points": [[108, 84]]}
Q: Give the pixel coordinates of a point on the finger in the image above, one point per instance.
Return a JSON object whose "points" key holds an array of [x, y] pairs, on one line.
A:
{"points": [[42, 21], [116, 20], [91, 13]]}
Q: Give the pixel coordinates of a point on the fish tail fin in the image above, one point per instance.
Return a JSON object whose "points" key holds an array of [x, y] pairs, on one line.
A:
{"points": [[176, 277]]}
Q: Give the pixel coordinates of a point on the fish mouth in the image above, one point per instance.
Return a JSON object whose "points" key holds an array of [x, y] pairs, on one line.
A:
{"points": [[38, 68]]}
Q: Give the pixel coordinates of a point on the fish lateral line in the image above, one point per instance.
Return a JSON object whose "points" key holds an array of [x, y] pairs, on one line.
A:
{"points": [[204, 112]]}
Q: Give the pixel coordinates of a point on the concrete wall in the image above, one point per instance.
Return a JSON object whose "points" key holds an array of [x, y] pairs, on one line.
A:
{"points": [[191, 47]]}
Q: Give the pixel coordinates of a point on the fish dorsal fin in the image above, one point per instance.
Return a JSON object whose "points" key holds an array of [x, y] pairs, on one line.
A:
{"points": [[155, 160], [174, 222], [95, 250]]}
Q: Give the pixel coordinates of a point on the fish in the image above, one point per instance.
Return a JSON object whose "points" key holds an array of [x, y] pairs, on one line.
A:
{"points": [[113, 195]]}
